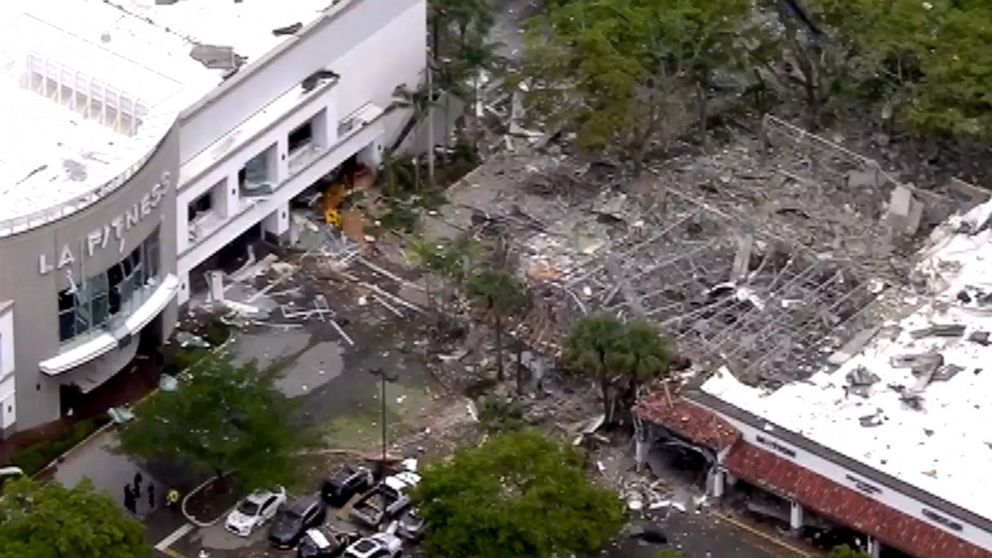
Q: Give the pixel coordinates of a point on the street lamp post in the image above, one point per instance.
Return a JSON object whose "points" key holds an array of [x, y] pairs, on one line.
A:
{"points": [[383, 378]]}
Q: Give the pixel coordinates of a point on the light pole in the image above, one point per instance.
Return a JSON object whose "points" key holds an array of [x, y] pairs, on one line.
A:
{"points": [[384, 376]]}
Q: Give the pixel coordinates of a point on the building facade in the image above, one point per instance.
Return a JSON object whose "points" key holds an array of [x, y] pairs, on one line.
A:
{"points": [[181, 136]]}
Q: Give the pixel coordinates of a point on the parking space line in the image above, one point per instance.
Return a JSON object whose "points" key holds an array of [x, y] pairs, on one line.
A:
{"points": [[164, 544], [759, 533], [170, 553]]}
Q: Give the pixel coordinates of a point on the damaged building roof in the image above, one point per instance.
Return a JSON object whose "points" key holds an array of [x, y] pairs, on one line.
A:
{"points": [[912, 394], [92, 86]]}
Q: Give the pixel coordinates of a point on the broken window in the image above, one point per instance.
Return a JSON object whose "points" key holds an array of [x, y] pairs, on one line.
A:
{"points": [[301, 137], [200, 205], [95, 301]]}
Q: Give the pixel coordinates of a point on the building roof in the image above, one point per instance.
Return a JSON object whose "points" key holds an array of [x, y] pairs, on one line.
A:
{"points": [[848, 506], [688, 420], [90, 87], [913, 401]]}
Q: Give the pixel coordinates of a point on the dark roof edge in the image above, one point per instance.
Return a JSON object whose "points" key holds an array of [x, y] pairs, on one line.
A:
{"points": [[716, 404]]}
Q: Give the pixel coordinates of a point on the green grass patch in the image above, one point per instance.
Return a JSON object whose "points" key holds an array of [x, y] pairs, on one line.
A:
{"points": [[362, 429]]}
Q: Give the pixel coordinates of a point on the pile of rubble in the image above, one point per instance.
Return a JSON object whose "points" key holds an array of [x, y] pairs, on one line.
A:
{"points": [[762, 256]]}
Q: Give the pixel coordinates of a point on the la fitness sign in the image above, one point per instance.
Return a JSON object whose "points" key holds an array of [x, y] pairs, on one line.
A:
{"points": [[116, 229]]}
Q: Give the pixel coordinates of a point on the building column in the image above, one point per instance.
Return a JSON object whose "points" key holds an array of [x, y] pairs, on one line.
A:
{"points": [[182, 296], [874, 547], [795, 515], [718, 486], [279, 162], [371, 154], [641, 445], [275, 226], [226, 197]]}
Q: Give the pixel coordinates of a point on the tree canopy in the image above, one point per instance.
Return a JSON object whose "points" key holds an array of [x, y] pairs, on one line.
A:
{"points": [[222, 418], [519, 494], [926, 63], [613, 71], [48, 520], [620, 356]]}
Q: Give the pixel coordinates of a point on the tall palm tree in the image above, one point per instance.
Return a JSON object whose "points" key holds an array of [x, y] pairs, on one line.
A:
{"points": [[498, 292]]}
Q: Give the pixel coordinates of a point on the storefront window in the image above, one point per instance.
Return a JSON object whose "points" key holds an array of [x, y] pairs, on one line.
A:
{"points": [[99, 298]]}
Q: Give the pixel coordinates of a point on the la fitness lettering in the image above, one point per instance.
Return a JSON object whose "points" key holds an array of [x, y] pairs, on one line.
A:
{"points": [[98, 239]]}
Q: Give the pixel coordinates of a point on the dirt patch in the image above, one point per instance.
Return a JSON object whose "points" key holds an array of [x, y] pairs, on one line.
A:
{"points": [[211, 502]]}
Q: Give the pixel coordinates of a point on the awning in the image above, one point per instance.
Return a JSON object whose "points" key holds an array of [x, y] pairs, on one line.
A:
{"points": [[108, 340]]}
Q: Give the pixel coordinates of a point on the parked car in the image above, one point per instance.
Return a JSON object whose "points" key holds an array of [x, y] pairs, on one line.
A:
{"points": [[293, 520], [325, 542], [386, 501], [252, 512], [344, 483], [410, 526], [379, 545]]}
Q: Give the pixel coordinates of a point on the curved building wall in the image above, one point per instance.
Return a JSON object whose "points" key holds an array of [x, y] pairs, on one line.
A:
{"points": [[47, 269]]}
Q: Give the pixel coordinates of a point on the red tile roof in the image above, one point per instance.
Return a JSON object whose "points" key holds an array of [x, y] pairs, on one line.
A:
{"points": [[688, 419], [847, 506]]}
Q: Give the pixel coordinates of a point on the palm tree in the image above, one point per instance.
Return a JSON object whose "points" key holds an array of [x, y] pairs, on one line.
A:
{"points": [[498, 292], [426, 254], [645, 355], [601, 346], [420, 102], [592, 347]]}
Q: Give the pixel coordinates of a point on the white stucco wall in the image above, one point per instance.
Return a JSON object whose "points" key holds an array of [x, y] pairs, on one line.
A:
{"points": [[374, 45], [8, 409]]}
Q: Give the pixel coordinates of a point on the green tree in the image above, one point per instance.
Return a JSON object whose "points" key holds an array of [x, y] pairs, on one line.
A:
{"points": [[450, 262], [956, 97], [497, 292], [48, 520], [619, 356], [615, 72], [223, 418], [420, 103], [924, 62], [668, 553], [644, 355], [845, 551], [519, 494], [594, 347]]}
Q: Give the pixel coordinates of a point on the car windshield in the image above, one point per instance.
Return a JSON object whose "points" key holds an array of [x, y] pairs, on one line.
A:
{"points": [[290, 514], [248, 508]]}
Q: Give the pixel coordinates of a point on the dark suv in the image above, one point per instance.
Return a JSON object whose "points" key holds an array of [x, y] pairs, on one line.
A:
{"points": [[344, 483], [293, 520]]}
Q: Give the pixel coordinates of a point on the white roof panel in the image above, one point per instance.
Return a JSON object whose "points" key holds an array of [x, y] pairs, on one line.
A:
{"points": [[938, 446]]}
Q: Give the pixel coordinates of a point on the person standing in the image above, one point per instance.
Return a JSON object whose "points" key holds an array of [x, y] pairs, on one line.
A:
{"points": [[151, 496], [130, 504], [137, 484], [172, 499]]}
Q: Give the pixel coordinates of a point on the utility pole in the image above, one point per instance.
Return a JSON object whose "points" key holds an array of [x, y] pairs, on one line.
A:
{"points": [[382, 399]]}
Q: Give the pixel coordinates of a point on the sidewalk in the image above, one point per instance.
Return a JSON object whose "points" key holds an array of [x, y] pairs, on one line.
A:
{"points": [[110, 471]]}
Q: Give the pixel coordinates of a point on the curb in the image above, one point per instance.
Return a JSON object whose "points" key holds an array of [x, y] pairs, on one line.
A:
{"points": [[189, 517]]}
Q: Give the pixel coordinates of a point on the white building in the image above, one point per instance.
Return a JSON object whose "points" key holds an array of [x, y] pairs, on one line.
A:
{"points": [[142, 136], [891, 438]]}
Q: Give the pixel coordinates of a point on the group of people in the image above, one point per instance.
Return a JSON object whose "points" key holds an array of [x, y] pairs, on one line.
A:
{"points": [[132, 493]]}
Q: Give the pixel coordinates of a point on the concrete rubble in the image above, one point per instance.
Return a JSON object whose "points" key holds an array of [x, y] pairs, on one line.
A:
{"points": [[763, 256]]}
